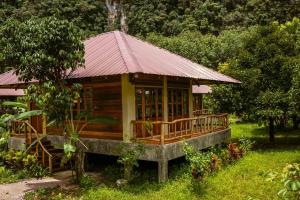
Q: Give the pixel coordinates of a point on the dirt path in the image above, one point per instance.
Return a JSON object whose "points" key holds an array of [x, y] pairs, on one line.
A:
{"points": [[16, 191]]}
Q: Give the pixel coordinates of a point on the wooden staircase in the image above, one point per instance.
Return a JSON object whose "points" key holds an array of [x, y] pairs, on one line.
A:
{"points": [[39, 146]]}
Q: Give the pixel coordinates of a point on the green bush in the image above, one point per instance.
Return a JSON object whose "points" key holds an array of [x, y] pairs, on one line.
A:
{"points": [[199, 161], [203, 163], [18, 160], [129, 158], [245, 144], [87, 182], [291, 181]]}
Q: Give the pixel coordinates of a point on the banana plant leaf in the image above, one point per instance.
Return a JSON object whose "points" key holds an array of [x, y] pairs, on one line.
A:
{"points": [[28, 114], [15, 104]]}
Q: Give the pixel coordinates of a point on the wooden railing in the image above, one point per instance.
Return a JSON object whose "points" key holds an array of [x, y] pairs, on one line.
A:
{"points": [[166, 132], [201, 112], [22, 127]]}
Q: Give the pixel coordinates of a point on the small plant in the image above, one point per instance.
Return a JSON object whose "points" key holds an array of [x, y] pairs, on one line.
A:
{"points": [[87, 182], [149, 127], [234, 151], [291, 182], [215, 162], [225, 157], [290, 177], [20, 160], [199, 161], [128, 158], [245, 145]]}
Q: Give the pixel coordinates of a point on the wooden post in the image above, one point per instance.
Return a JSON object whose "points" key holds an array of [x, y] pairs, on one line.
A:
{"points": [[128, 107], [44, 124], [165, 129], [191, 99]]}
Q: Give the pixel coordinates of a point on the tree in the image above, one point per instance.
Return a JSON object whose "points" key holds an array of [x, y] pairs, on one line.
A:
{"points": [[265, 64], [47, 50], [42, 49]]}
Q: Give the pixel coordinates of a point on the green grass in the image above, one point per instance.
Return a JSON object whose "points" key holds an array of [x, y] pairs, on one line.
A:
{"points": [[244, 180]]}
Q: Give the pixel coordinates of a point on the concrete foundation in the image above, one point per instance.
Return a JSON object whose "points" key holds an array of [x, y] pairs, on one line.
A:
{"points": [[16, 143], [158, 153]]}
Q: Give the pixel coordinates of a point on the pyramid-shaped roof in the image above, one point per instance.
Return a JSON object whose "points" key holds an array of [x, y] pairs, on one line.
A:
{"points": [[114, 53]]}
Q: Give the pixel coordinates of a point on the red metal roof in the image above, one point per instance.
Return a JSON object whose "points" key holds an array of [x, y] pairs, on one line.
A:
{"points": [[11, 92], [115, 53], [201, 89]]}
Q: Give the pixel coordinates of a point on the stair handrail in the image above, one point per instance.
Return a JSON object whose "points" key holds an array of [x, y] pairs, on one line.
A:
{"points": [[39, 143]]}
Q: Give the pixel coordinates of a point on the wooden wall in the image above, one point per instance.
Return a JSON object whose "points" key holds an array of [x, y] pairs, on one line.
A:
{"points": [[106, 108]]}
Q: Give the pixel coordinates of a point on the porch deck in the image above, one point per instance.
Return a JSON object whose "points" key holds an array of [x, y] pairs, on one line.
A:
{"points": [[160, 132], [148, 132]]}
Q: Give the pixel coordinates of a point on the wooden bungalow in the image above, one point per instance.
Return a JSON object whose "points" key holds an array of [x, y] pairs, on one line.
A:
{"points": [[147, 91]]}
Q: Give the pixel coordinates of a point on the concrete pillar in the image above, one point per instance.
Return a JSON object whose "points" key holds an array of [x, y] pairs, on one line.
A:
{"points": [[128, 107], [191, 99], [162, 171]]}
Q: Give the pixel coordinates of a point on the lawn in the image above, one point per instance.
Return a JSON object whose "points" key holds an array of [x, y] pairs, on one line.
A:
{"points": [[244, 180]]}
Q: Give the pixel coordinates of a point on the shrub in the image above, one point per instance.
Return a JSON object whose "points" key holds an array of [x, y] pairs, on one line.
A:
{"points": [[20, 160], [202, 163], [291, 181], [87, 182], [199, 161], [129, 158], [245, 145], [234, 152]]}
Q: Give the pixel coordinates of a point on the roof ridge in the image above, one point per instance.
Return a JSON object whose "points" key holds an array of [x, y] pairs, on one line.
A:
{"points": [[126, 52]]}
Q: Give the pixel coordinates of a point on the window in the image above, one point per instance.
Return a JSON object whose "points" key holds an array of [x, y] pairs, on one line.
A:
{"points": [[148, 103], [178, 103]]}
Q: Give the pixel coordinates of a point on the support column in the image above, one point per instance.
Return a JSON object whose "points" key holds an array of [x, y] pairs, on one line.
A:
{"points": [[162, 171], [44, 118], [165, 99], [128, 107], [191, 99]]}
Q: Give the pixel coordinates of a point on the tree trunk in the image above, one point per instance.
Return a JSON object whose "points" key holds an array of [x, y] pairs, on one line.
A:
{"points": [[124, 26], [112, 7], [296, 122], [271, 130], [79, 164]]}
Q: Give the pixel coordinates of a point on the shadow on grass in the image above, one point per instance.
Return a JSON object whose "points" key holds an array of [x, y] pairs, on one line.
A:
{"points": [[285, 139]]}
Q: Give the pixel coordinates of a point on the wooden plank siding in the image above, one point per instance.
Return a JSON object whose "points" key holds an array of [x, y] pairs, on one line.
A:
{"points": [[102, 102]]}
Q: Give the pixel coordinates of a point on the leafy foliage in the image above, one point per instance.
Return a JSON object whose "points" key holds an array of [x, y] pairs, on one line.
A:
{"points": [[199, 161], [170, 17], [129, 154], [20, 160], [291, 181], [202, 163], [88, 15], [290, 178], [55, 101], [41, 49]]}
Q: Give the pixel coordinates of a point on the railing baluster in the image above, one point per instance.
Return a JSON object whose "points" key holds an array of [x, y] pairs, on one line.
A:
{"points": [[43, 157]]}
